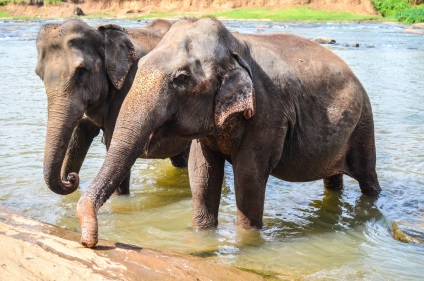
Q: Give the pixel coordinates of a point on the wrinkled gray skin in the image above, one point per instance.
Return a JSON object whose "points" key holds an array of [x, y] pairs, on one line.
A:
{"points": [[87, 74], [269, 104]]}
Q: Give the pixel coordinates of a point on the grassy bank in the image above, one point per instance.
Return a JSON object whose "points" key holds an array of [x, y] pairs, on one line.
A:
{"points": [[5, 15], [298, 13], [400, 11]]}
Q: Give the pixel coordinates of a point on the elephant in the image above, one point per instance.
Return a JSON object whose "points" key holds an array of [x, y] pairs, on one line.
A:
{"points": [[269, 104], [87, 74]]}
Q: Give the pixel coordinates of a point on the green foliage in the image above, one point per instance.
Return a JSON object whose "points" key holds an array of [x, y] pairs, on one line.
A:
{"points": [[4, 2], [400, 10], [411, 15], [390, 7]]}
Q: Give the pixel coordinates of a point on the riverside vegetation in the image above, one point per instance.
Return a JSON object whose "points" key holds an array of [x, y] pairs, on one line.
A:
{"points": [[407, 11]]}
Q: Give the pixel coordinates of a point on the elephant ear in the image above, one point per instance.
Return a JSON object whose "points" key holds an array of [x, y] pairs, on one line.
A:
{"points": [[119, 53], [236, 93]]}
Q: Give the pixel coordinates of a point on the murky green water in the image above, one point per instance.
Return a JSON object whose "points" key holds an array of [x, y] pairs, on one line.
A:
{"points": [[309, 233]]}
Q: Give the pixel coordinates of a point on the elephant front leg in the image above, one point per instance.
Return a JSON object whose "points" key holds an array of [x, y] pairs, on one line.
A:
{"points": [[82, 137], [206, 173], [250, 180]]}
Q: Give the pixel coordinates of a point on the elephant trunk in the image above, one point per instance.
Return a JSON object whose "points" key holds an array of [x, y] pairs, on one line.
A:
{"points": [[60, 125], [136, 123]]}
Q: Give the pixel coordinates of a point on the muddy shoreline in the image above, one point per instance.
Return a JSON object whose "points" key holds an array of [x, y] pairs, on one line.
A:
{"points": [[33, 250]]}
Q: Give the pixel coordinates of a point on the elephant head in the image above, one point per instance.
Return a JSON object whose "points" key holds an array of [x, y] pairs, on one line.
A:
{"points": [[79, 65], [187, 87]]}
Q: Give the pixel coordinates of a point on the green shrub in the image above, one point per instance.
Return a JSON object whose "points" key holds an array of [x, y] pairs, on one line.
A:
{"points": [[390, 7], [411, 15], [4, 2]]}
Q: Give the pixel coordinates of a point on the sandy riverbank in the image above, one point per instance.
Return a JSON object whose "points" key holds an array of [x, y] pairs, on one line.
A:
{"points": [[32, 250]]}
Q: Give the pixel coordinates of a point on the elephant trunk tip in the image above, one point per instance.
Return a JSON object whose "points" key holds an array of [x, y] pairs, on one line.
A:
{"points": [[88, 220], [63, 187], [72, 181]]}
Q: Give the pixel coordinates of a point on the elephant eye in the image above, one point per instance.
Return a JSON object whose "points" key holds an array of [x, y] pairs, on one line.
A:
{"points": [[81, 74], [180, 80]]}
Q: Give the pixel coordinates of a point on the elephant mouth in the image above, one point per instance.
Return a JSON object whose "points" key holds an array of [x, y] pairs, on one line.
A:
{"points": [[162, 142], [148, 144], [154, 142]]}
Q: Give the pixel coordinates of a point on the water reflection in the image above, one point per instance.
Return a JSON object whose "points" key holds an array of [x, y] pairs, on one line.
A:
{"points": [[327, 214]]}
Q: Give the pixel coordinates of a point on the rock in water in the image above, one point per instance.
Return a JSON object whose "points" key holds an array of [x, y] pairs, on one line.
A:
{"points": [[324, 40]]}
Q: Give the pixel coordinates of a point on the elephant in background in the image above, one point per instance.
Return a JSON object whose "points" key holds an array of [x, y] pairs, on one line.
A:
{"points": [[87, 74], [269, 104]]}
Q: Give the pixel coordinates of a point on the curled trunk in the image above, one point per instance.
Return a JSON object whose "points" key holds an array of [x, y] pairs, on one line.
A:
{"points": [[60, 125]]}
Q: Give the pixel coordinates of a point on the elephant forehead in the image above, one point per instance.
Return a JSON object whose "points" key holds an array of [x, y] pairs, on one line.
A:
{"points": [[49, 32], [205, 24], [195, 30], [55, 34], [75, 25], [148, 80]]}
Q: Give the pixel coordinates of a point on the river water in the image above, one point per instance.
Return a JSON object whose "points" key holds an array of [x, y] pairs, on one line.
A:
{"points": [[308, 234]]}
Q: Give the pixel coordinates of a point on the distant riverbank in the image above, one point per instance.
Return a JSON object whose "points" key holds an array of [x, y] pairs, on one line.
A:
{"points": [[407, 11], [288, 10]]}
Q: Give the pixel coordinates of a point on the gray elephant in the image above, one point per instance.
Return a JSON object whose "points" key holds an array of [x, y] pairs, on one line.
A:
{"points": [[87, 74], [271, 104]]}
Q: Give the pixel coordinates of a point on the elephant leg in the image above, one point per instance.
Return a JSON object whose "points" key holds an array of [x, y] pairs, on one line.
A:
{"points": [[250, 180], [361, 158], [206, 173], [334, 182], [124, 187], [82, 137]]}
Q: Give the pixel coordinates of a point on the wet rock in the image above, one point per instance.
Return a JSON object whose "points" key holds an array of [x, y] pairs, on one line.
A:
{"points": [[39, 251], [353, 45], [78, 11], [324, 40], [408, 232]]}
